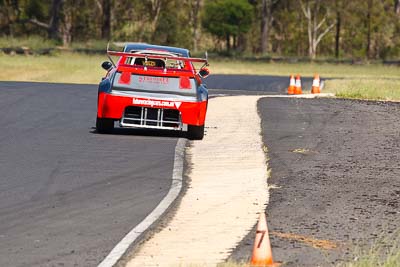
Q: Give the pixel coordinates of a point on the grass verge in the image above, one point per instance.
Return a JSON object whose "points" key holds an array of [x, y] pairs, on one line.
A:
{"points": [[384, 253], [60, 68], [372, 81], [370, 88], [36, 43], [325, 70], [33, 42]]}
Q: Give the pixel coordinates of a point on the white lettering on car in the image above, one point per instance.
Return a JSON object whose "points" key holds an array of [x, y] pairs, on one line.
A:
{"points": [[152, 103]]}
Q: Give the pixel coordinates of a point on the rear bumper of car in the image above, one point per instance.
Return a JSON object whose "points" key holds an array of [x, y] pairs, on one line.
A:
{"points": [[142, 112]]}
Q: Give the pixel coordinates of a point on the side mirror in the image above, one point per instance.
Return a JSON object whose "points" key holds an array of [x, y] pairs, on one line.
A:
{"points": [[204, 72], [106, 65]]}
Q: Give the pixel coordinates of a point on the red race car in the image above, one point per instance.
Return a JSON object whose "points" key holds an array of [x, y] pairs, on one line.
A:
{"points": [[154, 87]]}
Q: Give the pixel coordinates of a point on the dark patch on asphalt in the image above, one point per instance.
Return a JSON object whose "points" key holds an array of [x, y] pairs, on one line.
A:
{"points": [[67, 194], [344, 188]]}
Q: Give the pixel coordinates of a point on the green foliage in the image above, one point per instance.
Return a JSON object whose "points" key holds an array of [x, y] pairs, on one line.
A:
{"points": [[172, 28], [234, 23], [32, 42], [289, 29], [37, 9], [227, 17]]}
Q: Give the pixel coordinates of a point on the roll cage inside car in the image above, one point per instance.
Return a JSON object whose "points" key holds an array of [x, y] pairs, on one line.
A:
{"points": [[146, 58]]}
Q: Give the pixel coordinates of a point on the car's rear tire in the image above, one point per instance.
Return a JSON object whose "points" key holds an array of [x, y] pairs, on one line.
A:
{"points": [[195, 132], [104, 125]]}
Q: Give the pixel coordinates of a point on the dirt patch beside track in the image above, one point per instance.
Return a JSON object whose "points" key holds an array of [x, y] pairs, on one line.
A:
{"points": [[335, 167]]}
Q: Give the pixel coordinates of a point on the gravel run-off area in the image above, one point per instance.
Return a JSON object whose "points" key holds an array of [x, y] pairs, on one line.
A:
{"points": [[335, 175]]}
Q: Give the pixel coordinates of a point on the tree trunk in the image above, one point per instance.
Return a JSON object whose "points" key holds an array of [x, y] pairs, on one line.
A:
{"points": [[228, 43], [9, 28], [368, 48], [266, 22], [195, 11], [313, 26], [264, 26], [155, 13], [106, 20], [12, 14], [67, 25], [337, 35], [307, 13], [397, 7], [17, 10], [54, 25]]}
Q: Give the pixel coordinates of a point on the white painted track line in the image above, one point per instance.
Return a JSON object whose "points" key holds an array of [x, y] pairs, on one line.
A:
{"points": [[176, 186]]}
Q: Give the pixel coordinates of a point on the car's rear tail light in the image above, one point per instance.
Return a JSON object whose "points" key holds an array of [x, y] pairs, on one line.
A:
{"points": [[125, 78], [184, 83]]}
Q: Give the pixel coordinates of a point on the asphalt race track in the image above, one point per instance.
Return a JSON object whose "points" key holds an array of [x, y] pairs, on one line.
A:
{"points": [[67, 194]]}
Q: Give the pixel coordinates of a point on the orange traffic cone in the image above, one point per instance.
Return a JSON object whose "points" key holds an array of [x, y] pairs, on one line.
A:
{"points": [[316, 88], [292, 85], [297, 89], [262, 253]]}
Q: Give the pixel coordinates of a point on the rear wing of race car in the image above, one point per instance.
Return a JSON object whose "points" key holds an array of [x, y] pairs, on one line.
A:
{"points": [[150, 56]]}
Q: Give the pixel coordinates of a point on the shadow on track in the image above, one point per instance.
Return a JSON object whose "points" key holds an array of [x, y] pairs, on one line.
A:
{"points": [[142, 132]]}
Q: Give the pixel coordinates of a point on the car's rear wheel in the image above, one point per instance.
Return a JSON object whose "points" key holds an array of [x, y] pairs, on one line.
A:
{"points": [[104, 125], [195, 132]]}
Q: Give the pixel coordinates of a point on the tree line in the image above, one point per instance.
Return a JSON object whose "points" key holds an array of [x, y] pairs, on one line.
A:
{"points": [[362, 29]]}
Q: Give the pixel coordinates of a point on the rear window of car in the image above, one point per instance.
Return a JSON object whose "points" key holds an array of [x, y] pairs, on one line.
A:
{"points": [[157, 63]]}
